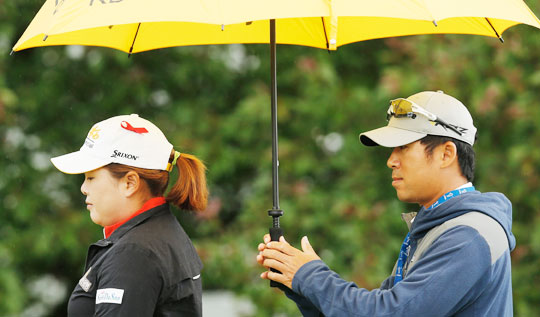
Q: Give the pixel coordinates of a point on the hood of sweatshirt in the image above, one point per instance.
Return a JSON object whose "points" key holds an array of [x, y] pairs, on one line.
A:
{"points": [[495, 205]]}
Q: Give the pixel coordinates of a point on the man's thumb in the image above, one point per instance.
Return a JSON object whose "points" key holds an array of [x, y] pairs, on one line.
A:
{"points": [[306, 247]]}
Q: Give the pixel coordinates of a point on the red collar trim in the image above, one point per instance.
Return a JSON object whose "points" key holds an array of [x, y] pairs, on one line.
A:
{"points": [[152, 203]]}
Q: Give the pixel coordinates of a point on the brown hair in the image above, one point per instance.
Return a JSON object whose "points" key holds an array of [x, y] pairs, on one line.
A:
{"points": [[189, 192]]}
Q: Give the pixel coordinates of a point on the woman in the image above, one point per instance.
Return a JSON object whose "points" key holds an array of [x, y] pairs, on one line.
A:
{"points": [[146, 265]]}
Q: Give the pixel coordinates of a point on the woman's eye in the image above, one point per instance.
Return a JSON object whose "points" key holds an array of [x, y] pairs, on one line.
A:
{"points": [[89, 178]]}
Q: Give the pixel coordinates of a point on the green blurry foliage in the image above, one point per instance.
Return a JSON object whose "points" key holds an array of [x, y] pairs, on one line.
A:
{"points": [[332, 189]]}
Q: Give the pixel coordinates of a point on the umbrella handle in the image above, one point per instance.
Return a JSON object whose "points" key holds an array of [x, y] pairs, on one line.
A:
{"points": [[275, 233]]}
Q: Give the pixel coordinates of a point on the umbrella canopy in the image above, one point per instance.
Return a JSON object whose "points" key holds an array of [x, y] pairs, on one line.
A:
{"points": [[135, 26]]}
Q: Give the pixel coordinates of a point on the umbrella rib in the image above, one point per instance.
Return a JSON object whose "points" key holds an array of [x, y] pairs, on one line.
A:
{"points": [[496, 33], [325, 35], [134, 38]]}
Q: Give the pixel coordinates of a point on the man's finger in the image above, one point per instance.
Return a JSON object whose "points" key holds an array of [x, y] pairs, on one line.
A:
{"points": [[275, 276], [280, 278], [260, 259], [283, 247], [274, 254], [266, 238], [306, 246], [274, 264], [261, 246]]}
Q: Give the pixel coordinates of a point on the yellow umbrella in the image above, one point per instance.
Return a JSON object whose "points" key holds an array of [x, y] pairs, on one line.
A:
{"points": [[137, 25]]}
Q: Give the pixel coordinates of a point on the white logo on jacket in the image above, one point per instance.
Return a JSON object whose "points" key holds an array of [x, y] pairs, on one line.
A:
{"points": [[109, 295]]}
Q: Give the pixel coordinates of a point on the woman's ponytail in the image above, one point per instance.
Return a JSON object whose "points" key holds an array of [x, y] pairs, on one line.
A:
{"points": [[190, 191]]}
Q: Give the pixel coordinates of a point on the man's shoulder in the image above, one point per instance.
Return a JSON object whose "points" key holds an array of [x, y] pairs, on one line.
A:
{"points": [[473, 230], [488, 228], [485, 197]]}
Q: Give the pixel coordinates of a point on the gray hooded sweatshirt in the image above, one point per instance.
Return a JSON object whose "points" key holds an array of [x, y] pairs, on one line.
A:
{"points": [[466, 271]]}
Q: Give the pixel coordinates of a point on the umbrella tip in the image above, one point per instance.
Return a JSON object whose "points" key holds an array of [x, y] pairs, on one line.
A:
{"points": [[222, 27], [11, 53], [501, 39], [46, 36], [435, 22]]}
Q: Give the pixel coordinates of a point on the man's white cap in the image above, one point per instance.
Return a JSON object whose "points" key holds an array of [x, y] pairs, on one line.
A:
{"points": [[128, 140], [405, 130]]}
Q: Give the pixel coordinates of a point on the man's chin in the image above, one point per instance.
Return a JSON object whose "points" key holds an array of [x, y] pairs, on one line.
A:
{"points": [[406, 199]]}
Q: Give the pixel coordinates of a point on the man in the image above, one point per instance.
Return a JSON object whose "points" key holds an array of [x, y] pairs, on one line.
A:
{"points": [[455, 261]]}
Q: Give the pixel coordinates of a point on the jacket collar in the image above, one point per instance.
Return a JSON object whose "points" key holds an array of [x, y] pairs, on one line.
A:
{"points": [[151, 203], [135, 221]]}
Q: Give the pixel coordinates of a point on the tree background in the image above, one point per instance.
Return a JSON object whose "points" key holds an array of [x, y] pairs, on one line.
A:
{"points": [[213, 101]]}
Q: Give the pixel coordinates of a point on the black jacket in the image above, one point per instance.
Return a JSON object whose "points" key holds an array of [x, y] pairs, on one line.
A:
{"points": [[147, 267]]}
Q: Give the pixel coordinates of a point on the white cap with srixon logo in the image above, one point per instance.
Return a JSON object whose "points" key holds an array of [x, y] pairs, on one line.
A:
{"points": [[456, 122], [128, 140]]}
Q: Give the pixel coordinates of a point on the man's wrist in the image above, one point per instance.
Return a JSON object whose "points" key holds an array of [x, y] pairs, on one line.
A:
{"points": [[303, 272]]}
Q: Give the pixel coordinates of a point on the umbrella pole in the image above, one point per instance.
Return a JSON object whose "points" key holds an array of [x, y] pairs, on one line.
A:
{"points": [[275, 212]]}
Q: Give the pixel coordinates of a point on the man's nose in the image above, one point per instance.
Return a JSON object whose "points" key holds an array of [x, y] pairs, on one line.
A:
{"points": [[393, 161]]}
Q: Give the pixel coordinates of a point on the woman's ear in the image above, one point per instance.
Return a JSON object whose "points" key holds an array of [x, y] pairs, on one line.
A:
{"points": [[131, 183]]}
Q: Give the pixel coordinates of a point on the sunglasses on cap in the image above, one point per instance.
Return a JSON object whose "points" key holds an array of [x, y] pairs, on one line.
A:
{"points": [[404, 108]]}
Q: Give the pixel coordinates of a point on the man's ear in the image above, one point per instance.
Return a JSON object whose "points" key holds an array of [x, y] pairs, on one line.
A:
{"points": [[131, 183], [448, 154]]}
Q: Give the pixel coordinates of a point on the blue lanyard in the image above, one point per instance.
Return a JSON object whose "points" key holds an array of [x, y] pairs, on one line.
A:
{"points": [[406, 246], [451, 194]]}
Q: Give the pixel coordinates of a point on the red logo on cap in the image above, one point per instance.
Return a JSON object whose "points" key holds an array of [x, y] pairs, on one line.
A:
{"points": [[129, 127]]}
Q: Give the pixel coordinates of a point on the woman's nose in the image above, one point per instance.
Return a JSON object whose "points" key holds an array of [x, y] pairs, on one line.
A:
{"points": [[83, 188]]}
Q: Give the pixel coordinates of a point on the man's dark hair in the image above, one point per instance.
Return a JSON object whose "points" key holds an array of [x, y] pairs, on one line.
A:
{"points": [[465, 153]]}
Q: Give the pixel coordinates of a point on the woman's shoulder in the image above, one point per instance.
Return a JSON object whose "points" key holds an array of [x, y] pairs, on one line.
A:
{"points": [[162, 228], [162, 239]]}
